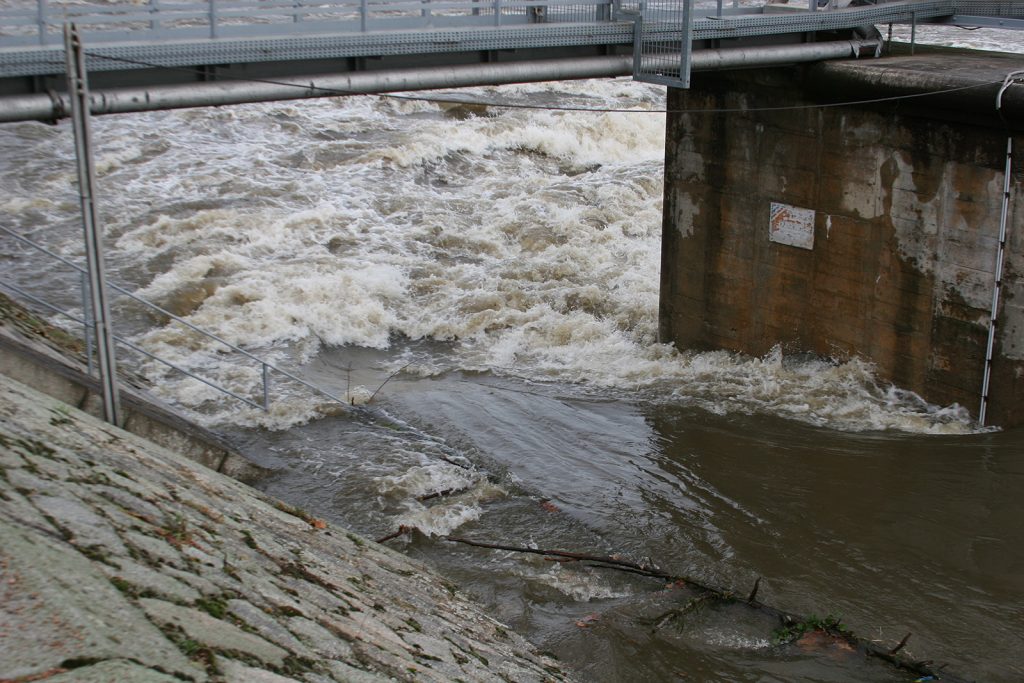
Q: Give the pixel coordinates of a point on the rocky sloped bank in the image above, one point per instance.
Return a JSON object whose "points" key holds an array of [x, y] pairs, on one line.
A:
{"points": [[123, 561]]}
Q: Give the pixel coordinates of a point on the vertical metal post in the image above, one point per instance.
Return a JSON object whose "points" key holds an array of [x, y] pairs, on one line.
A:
{"points": [[364, 10], [296, 15], [720, 8], [913, 31], [997, 283], [87, 314], [213, 18], [266, 388], [154, 13], [41, 12], [687, 52], [497, 12], [78, 92], [638, 48]]}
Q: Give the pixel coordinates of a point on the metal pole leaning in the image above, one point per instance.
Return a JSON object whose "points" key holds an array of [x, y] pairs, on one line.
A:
{"points": [[78, 92], [266, 388], [87, 325]]}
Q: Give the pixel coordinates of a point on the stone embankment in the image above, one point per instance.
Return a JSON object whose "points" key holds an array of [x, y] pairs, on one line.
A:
{"points": [[123, 561]]}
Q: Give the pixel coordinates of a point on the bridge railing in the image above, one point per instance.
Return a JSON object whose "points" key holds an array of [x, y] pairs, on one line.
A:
{"points": [[39, 22]]}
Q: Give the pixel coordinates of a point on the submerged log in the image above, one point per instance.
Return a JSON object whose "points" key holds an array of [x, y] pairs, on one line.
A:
{"points": [[792, 627]]}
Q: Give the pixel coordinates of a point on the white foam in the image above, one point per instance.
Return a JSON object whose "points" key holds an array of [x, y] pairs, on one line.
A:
{"points": [[440, 520], [529, 240], [463, 495], [425, 479], [581, 586]]}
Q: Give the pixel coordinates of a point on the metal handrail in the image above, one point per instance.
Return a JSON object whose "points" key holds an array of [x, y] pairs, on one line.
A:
{"points": [[266, 366], [157, 21], [163, 20]]}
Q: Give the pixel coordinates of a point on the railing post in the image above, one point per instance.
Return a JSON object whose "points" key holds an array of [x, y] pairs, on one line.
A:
{"points": [[213, 18], [78, 92], [687, 51], [364, 9], [87, 316], [154, 13], [497, 12], [296, 16], [41, 10], [266, 388], [913, 31]]}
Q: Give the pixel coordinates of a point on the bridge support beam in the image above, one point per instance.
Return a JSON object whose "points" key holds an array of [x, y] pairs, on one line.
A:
{"points": [[865, 231]]}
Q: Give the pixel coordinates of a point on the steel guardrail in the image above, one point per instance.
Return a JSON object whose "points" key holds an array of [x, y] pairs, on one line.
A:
{"points": [[40, 22]]}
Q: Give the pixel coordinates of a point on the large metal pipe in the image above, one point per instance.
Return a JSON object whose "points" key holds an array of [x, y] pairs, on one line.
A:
{"points": [[55, 106]]}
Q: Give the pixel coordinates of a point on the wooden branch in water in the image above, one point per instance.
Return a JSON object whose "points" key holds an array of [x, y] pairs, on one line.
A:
{"points": [[611, 561], [441, 494], [708, 593], [674, 614], [901, 644], [753, 592]]}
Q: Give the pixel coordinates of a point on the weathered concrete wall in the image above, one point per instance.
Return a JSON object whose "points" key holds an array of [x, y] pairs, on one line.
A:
{"points": [[906, 206]]}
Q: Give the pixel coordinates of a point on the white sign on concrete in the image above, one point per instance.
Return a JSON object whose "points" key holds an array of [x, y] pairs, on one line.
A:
{"points": [[791, 225]]}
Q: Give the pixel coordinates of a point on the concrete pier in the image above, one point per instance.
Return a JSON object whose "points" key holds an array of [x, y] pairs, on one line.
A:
{"points": [[867, 230]]}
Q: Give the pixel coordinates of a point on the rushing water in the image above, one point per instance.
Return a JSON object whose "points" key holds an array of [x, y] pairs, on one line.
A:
{"points": [[482, 283]]}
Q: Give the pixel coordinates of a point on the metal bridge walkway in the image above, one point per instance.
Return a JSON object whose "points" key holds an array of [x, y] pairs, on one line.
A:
{"points": [[354, 46]]}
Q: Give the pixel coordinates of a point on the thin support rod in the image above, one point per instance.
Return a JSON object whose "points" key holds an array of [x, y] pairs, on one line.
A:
{"points": [[138, 349], [41, 302], [213, 18], [913, 31], [41, 15], [638, 54], [78, 91], [997, 283], [87, 323], [266, 388]]}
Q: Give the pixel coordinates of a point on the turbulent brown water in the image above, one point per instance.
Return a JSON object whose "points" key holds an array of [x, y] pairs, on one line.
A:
{"points": [[501, 266]]}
